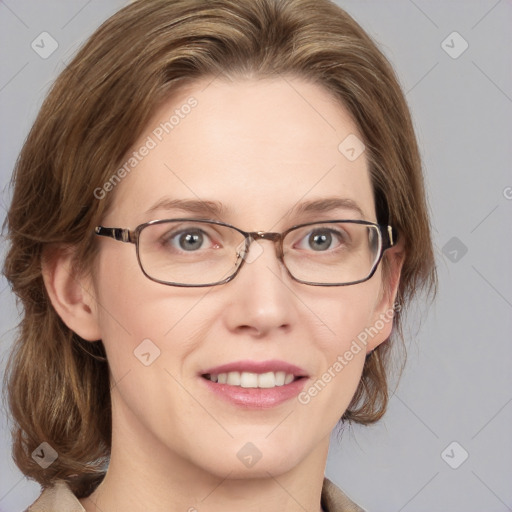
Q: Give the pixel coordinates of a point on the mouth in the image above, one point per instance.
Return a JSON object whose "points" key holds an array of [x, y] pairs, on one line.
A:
{"points": [[255, 384], [265, 380]]}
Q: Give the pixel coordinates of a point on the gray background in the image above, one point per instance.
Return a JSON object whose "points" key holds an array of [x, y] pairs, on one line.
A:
{"points": [[457, 383]]}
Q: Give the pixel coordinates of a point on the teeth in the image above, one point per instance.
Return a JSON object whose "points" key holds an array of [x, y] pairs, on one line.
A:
{"points": [[252, 380], [280, 378], [233, 379], [247, 380]]}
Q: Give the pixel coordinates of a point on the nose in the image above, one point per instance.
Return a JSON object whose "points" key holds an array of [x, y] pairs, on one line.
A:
{"points": [[261, 299]]}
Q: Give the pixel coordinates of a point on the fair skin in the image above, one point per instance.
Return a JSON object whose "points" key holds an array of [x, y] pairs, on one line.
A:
{"points": [[258, 147]]}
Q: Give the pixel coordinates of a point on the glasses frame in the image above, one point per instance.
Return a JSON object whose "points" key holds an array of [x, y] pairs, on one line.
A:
{"points": [[126, 235]]}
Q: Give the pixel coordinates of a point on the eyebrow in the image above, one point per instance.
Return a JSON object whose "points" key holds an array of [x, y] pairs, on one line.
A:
{"points": [[217, 209], [194, 206], [326, 205]]}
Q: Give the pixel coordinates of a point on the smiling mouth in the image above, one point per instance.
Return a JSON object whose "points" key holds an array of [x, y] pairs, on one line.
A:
{"points": [[253, 380]]}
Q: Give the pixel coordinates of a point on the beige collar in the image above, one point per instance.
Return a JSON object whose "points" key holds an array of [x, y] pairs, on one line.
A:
{"points": [[60, 498]]}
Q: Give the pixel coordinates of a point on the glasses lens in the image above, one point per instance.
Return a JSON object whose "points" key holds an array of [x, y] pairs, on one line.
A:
{"points": [[189, 252], [332, 253], [200, 253]]}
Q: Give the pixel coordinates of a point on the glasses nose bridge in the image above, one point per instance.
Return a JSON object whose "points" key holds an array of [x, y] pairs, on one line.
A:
{"points": [[276, 238]]}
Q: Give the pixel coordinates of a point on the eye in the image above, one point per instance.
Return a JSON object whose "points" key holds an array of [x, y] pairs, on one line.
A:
{"points": [[321, 239], [188, 240], [191, 241]]}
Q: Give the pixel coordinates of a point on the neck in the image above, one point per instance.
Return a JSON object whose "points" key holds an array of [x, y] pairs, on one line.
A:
{"points": [[144, 474]]}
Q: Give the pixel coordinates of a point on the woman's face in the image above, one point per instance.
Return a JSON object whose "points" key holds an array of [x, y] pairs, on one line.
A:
{"points": [[260, 149]]}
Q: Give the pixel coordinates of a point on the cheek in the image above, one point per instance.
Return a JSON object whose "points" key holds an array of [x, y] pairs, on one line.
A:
{"points": [[137, 315], [149, 331], [165, 322], [344, 315]]}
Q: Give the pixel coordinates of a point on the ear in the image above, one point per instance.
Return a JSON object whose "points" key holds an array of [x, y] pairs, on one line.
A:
{"points": [[72, 296], [382, 318]]}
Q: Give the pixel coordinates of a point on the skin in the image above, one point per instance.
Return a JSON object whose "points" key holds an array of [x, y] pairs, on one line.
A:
{"points": [[258, 147]]}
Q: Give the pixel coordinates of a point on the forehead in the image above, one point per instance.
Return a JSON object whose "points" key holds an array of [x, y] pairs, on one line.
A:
{"points": [[258, 147]]}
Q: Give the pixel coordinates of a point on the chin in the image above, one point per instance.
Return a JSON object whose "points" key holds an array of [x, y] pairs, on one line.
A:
{"points": [[260, 470], [246, 459]]}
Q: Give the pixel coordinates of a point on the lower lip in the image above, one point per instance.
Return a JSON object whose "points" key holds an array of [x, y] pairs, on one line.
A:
{"points": [[256, 398]]}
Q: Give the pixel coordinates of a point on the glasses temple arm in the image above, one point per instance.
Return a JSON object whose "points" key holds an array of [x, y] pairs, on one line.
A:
{"points": [[389, 236], [121, 234]]}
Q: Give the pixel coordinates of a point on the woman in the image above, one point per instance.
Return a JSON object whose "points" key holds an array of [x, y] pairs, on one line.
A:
{"points": [[217, 220]]}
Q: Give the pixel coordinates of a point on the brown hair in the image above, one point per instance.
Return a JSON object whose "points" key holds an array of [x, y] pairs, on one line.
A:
{"points": [[58, 384]]}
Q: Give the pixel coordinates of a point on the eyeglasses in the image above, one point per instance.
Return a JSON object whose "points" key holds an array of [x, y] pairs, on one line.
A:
{"points": [[203, 252]]}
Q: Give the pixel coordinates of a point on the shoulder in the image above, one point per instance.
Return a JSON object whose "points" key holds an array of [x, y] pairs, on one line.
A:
{"points": [[335, 500], [58, 497]]}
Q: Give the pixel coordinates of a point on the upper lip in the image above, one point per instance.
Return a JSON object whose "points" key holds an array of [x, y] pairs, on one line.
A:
{"points": [[273, 365]]}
